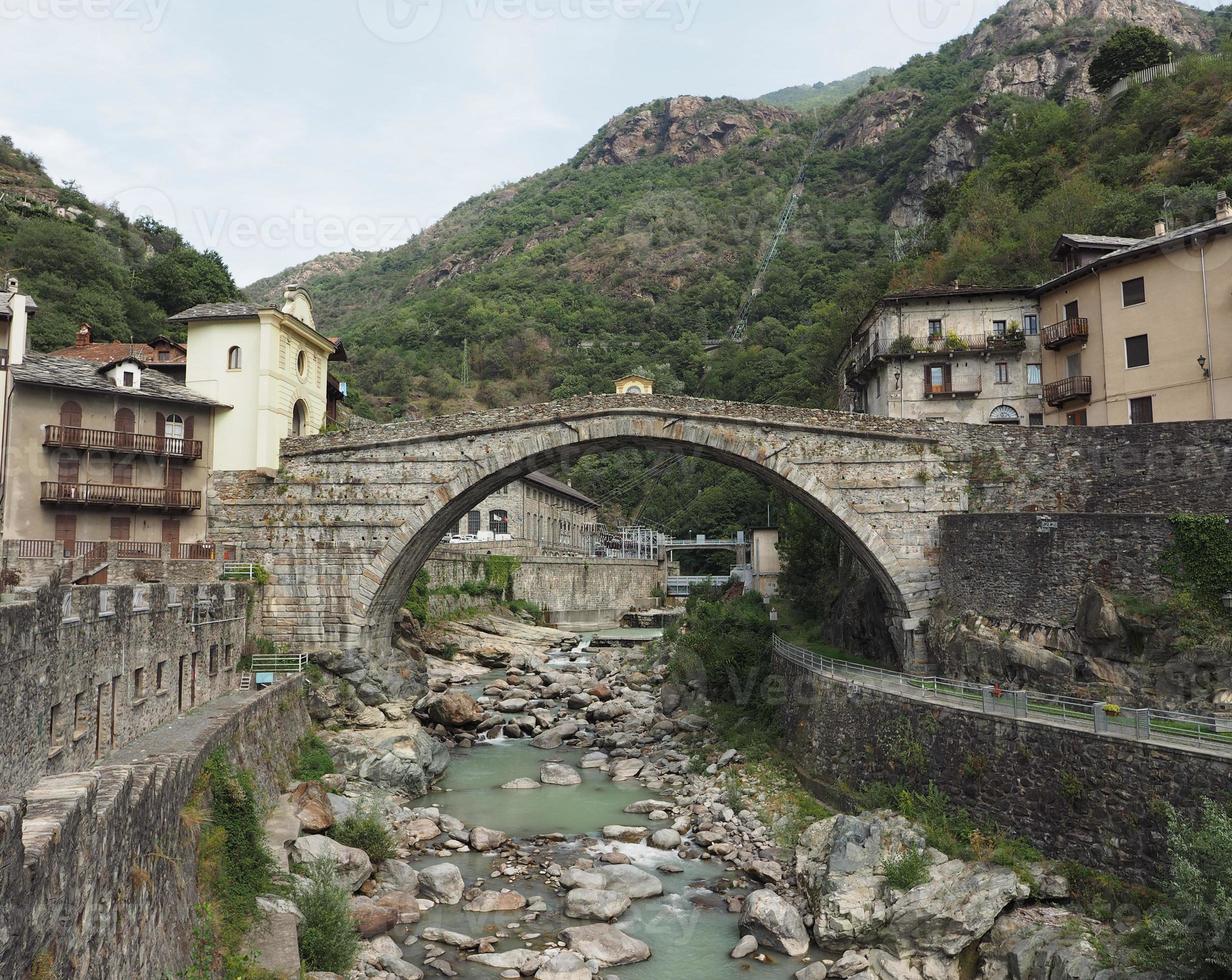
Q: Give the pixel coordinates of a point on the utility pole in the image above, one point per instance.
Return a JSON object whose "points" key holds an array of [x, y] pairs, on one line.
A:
{"points": [[466, 361]]}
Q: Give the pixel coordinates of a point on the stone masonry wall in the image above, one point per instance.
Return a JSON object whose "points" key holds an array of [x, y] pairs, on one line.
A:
{"points": [[567, 589], [1095, 799], [1032, 568], [90, 668], [98, 868]]}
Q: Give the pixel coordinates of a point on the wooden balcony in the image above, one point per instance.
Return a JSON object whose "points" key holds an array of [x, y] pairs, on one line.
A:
{"points": [[108, 495], [955, 389], [1068, 390], [132, 550], [1068, 331], [109, 440]]}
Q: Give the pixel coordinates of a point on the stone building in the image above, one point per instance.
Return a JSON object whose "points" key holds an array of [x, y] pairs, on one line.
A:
{"points": [[539, 510], [96, 453], [953, 354], [1138, 330], [634, 384], [169, 356], [270, 365], [764, 561]]}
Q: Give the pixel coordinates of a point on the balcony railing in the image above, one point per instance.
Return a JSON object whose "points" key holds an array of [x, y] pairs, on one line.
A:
{"points": [[192, 552], [1067, 390], [102, 550], [946, 345], [107, 495], [69, 437], [954, 389], [1059, 334], [138, 549]]}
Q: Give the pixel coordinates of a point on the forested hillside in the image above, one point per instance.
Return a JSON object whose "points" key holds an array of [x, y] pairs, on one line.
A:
{"points": [[86, 262]]}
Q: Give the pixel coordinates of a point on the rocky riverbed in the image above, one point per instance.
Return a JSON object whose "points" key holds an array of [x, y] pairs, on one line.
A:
{"points": [[563, 812]]}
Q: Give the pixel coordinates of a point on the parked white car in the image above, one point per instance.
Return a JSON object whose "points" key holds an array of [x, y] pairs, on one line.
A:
{"points": [[462, 538]]}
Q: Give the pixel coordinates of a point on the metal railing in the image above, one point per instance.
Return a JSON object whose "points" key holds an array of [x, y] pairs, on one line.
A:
{"points": [[1068, 389], [114, 440], [279, 663], [1059, 334], [1176, 728], [682, 585], [985, 343], [109, 495], [954, 389], [239, 570]]}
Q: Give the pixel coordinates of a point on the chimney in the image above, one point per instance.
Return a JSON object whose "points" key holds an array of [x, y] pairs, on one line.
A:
{"points": [[18, 323], [1161, 227], [1223, 207], [85, 335]]}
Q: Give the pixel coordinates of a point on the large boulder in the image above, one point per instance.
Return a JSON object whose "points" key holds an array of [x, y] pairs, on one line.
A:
{"points": [[558, 774], [402, 757], [351, 865], [494, 901], [442, 883], [565, 965], [629, 879], [774, 923], [954, 909], [371, 919], [524, 961], [591, 903], [453, 709], [311, 805], [606, 945], [483, 839], [839, 864]]}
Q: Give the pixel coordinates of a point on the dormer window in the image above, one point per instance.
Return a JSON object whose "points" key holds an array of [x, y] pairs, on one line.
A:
{"points": [[130, 379], [125, 373]]}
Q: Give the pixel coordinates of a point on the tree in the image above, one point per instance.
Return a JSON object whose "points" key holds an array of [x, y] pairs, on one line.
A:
{"points": [[1128, 50], [1190, 934]]}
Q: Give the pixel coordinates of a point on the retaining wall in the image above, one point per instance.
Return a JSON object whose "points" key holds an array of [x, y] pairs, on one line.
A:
{"points": [[1093, 798], [571, 591], [89, 668], [1032, 568], [98, 868]]}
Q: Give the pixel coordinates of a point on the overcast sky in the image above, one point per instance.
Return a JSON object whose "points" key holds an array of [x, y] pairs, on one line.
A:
{"points": [[276, 130]]}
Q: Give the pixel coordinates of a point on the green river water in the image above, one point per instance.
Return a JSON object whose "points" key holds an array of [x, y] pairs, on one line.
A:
{"points": [[688, 928]]}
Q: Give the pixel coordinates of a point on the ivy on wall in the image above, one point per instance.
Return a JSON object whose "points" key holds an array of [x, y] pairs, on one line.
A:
{"points": [[1199, 560]]}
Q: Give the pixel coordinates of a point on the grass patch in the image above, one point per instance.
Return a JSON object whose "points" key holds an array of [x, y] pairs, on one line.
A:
{"points": [[367, 830], [906, 872], [798, 629], [312, 760], [1104, 896], [328, 941]]}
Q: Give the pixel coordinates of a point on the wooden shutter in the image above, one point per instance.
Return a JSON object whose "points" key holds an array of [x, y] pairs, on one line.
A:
{"points": [[70, 415], [188, 427], [121, 528], [160, 424], [125, 421], [122, 474], [171, 531], [69, 469], [175, 477], [66, 532]]}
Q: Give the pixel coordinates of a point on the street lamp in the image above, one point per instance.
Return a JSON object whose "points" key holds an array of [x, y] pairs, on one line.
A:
{"points": [[1202, 364], [1227, 601]]}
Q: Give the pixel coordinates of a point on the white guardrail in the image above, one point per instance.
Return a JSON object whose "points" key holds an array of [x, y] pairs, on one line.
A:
{"points": [[279, 663], [1210, 733]]}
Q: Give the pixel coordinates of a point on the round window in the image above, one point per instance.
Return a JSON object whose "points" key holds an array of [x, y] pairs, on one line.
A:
{"points": [[301, 364]]}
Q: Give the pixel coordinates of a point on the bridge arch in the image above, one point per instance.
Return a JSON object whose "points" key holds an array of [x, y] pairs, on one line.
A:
{"points": [[388, 577]]}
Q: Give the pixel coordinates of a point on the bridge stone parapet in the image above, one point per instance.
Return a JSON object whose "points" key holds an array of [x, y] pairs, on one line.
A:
{"points": [[351, 516]]}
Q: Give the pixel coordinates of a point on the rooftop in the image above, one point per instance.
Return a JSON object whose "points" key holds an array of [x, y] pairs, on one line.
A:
{"points": [[107, 351], [6, 308], [555, 486], [74, 373], [217, 311]]}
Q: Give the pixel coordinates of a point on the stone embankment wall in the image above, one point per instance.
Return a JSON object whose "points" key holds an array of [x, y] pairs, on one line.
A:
{"points": [[89, 668], [98, 868], [1095, 799], [572, 591], [1032, 568]]}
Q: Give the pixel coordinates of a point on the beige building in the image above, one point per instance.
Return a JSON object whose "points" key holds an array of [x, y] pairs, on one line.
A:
{"points": [[539, 510], [270, 365], [955, 354], [104, 453], [764, 560], [634, 384], [1140, 331]]}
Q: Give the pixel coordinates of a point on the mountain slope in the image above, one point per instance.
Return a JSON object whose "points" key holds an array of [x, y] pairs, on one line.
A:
{"points": [[803, 98], [959, 164], [83, 261]]}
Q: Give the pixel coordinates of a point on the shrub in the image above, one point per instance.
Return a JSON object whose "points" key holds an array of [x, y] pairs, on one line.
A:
{"points": [[417, 598], [904, 344], [367, 830], [313, 759], [328, 941], [907, 871], [1190, 935], [1128, 50], [954, 342]]}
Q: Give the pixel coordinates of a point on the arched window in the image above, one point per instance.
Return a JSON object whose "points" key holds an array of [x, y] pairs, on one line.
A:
{"points": [[1004, 415], [633, 390], [299, 418], [234, 359], [498, 521], [173, 428], [70, 415], [301, 364]]}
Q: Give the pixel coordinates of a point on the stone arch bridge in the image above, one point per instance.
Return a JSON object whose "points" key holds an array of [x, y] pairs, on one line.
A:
{"points": [[351, 516]]}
